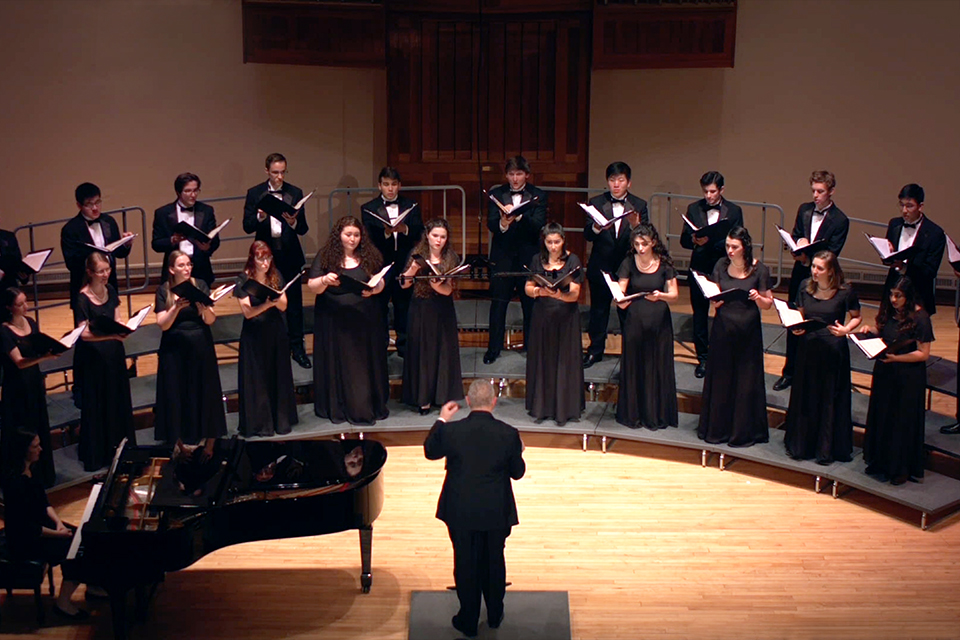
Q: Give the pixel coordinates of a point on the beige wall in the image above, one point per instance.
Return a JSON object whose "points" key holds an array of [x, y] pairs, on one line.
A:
{"points": [[129, 93], [868, 89]]}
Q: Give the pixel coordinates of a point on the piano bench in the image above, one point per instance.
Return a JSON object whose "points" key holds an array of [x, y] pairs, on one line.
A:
{"points": [[24, 574]]}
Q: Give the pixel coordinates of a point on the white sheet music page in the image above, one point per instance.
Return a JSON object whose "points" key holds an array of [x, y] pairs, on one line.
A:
{"points": [[87, 510]]}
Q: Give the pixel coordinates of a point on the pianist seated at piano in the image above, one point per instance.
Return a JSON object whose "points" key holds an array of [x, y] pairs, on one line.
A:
{"points": [[34, 530]]}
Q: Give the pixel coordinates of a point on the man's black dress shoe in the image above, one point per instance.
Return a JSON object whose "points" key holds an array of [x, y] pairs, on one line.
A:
{"points": [[495, 624], [424, 410], [951, 429], [701, 369], [783, 382], [489, 357], [299, 355], [455, 621], [591, 359]]}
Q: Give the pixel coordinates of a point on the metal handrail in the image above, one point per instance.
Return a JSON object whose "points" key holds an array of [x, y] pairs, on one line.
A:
{"points": [[763, 206], [128, 292], [586, 190], [349, 191]]}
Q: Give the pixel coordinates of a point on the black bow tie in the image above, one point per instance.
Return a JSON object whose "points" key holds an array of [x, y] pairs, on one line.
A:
{"points": [[908, 225], [90, 223], [821, 212], [389, 202], [622, 201], [190, 209], [516, 193]]}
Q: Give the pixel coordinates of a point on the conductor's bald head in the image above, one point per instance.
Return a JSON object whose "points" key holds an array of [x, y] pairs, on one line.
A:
{"points": [[481, 396]]}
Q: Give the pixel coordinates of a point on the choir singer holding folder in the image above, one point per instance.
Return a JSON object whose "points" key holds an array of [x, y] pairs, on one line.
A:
{"points": [[350, 382], [283, 238], [189, 403], [186, 208]]}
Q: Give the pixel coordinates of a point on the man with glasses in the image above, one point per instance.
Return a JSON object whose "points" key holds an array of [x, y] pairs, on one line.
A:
{"points": [[86, 232], [186, 208]]}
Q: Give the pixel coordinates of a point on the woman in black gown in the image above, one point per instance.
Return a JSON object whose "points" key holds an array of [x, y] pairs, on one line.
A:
{"points": [[24, 404], [647, 395], [106, 410], [268, 404], [893, 444], [555, 346], [734, 402], [350, 332], [189, 398], [819, 423], [431, 366]]}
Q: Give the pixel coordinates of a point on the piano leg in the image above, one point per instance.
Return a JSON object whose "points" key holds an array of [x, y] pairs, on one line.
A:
{"points": [[118, 611], [366, 547]]}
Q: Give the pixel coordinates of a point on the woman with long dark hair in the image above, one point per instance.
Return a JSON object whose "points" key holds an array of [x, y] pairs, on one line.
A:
{"points": [[431, 366], [268, 404], [647, 395], [554, 346], [189, 397], [350, 332], [893, 444], [819, 423], [734, 402], [24, 402], [106, 409]]}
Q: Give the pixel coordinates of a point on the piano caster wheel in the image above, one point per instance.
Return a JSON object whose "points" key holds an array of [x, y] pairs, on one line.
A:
{"points": [[366, 589], [366, 580]]}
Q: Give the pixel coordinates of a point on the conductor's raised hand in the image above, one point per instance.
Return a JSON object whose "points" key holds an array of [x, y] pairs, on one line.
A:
{"points": [[448, 409]]}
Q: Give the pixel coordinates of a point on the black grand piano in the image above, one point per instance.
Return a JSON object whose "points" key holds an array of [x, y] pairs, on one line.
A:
{"points": [[162, 508]]}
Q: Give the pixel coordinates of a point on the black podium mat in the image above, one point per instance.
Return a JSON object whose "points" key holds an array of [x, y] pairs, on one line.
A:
{"points": [[528, 615]]}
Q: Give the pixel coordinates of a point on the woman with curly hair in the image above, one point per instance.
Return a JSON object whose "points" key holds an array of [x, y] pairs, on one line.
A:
{"points": [[893, 445], [350, 332], [648, 384], [431, 366], [267, 401]]}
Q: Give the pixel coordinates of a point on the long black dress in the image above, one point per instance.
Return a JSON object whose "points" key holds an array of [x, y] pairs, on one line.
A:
{"points": [[189, 396], [734, 403], [555, 352], [106, 414], [818, 418], [431, 366], [24, 404], [893, 444], [647, 395], [268, 403], [350, 382]]}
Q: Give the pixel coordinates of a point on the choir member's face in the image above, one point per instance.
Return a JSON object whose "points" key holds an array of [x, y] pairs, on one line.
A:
{"points": [[554, 244], [734, 249], [262, 262], [819, 271], [517, 178], [910, 209], [350, 237], [181, 269], [897, 299], [822, 195], [33, 451], [91, 207], [276, 173], [389, 188], [101, 273], [712, 194], [437, 238], [19, 306], [643, 245], [188, 197], [619, 185]]}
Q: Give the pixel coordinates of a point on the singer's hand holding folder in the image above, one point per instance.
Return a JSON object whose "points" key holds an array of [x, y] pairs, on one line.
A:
{"points": [[278, 208], [712, 292], [194, 234], [104, 326], [188, 290], [794, 320]]}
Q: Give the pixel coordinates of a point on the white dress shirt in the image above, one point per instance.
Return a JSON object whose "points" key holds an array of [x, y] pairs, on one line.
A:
{"points": [[96, 233], [185, 216], [908, 235]]}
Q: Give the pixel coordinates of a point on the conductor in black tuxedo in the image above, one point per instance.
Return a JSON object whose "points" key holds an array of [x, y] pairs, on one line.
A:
{"points": [[708, 210], [395, 241], [611, 243], [820, 220], [89, 227], [914, 229], [10, 258], [477, 502], [283, 237], [515, 239], [185, 208]]}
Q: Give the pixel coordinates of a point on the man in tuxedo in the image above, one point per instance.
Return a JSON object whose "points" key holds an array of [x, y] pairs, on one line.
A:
{"points": [[10, 258], [395, 242], [705, 252], [914, 229], [820, 220], [283, 237], [477, 502], [187, 209], [611, 243], [85, 231], [515, 240]]}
